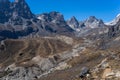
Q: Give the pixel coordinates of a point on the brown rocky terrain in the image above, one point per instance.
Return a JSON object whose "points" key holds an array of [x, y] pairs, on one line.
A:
{"points": [[22, 50], [59, 58], [103, 64], [43, 52]]}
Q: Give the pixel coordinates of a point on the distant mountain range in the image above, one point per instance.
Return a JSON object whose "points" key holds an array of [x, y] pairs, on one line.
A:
{"points": [[91, 22], [17, 21]]}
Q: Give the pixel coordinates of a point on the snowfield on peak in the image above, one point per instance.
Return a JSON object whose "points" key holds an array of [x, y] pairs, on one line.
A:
{"points": [[114, 21]]}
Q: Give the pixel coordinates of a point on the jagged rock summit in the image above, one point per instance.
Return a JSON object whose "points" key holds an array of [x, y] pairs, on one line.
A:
{"points": [[54, 22], [12, 11], [90, 23], [17, 20], [93, 22], [53, 16], [73, 23]]}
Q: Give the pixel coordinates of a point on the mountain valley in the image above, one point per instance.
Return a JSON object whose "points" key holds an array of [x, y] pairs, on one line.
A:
{"points": [[48, 47]]}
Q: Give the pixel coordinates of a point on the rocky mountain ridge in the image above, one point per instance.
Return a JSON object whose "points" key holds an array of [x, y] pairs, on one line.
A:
{"points": [[18, 20], [90, 23]]}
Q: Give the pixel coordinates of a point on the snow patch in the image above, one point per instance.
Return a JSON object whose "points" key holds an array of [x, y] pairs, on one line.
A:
{"points": [[114, 21], [118, 15]]}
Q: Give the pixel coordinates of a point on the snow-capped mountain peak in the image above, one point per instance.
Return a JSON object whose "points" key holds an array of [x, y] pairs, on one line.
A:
{"points": [[118, 15], [114, 21]]}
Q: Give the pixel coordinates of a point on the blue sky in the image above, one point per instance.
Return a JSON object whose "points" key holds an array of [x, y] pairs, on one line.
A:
{"points": [[81, 9]]}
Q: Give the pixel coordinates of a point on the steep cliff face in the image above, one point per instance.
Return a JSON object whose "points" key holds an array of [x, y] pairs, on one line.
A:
{"points": [[15, 19], [114, 27]]}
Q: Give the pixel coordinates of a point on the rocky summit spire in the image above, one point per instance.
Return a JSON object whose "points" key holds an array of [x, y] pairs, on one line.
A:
{"points": [[73, 23], [12, 11], [22, 9], [73, 19]]}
